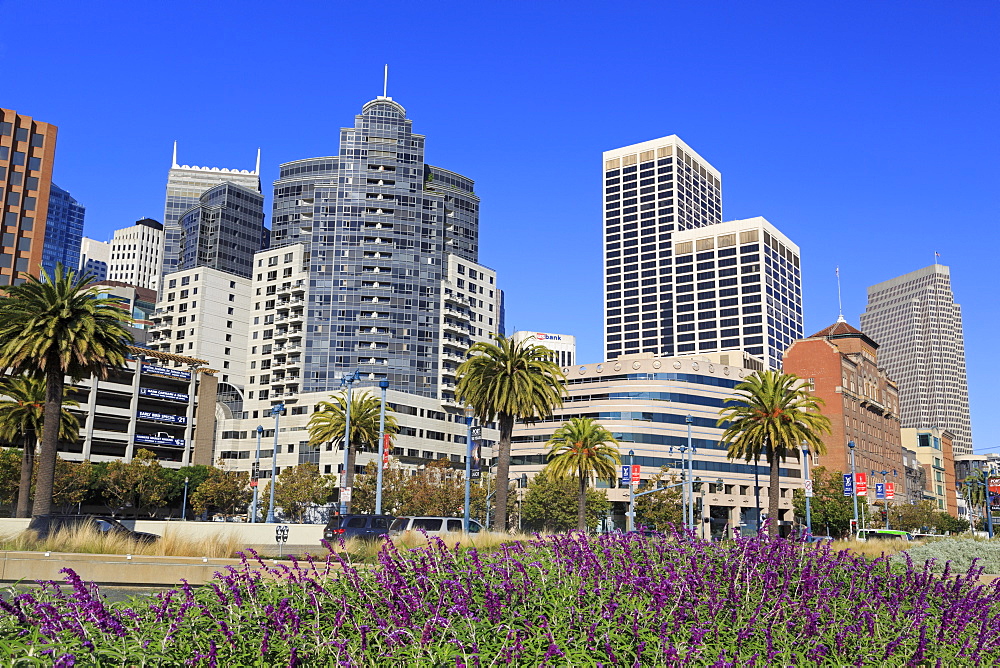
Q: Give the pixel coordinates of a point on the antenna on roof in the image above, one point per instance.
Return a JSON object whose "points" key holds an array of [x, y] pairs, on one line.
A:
{"points": [[840, 302], [385, 82], [256, 170], [175, 153]]}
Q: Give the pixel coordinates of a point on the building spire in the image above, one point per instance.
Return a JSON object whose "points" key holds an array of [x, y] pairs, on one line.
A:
{"points": [[385, 82], [256, 170], [175, 154], [840, 302]]}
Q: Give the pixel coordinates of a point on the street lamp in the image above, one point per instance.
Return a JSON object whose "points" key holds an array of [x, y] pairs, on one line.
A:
{"points": [[276, 412], [346, 381], [383, 455], [470, 413], [256, 472], [690, 457], [885, 496], [854, 482], [808, 490]]}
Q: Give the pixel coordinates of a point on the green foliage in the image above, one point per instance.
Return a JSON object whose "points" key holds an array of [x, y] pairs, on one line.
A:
{"points": [[137, 485], [773, 415], [300, 487], [582, 449], [505, 381], [196, 474], [72, 481], [832, 512], [10, 475], [959, 551], [661, 509], [227, 492], [550, 504], [438, 489]]}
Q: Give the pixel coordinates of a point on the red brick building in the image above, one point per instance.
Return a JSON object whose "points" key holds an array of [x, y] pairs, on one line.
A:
{"points": [[841, 365]]}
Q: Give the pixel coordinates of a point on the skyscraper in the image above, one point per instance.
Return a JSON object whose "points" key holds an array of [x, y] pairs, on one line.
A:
{"points": [[27, 152], [224, 230], [63, 231], [918, 326], [185, 186], [651, 191], [136, 252]]}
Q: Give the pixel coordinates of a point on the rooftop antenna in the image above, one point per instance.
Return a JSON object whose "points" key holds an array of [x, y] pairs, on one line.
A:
{"points": [[175, 153], [840, 302], [256, 170], [385, 82]]}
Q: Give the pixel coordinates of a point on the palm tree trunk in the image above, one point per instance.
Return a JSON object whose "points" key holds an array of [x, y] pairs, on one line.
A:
{"points": [[506, 424], [54, 386], [581, 504], [27, 468], [773, 494]]}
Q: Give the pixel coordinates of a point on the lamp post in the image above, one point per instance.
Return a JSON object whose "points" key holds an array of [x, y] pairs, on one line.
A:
{"points": [[690, 477], [256, 466], [885, 495], [276, 412], [808, 491], [184, 503], [854, 482], [470, 413], [630, 515], [347, 381], [382, 454]]}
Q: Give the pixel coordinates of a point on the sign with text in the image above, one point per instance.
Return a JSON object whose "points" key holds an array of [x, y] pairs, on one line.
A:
{"points": [[636, 474], [994, 490], [848, 485], [890, 491], [162, 394], [345, 494], [626, 474], [861, 484], [162, 417], [880, 490], [166, 372], [386, 449]]}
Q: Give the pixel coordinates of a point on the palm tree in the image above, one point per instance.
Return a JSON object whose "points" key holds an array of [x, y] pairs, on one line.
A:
{"points": [[327, 425], [773, 417], [583, 449], [506, 381], [53, 328], [21, 419]]}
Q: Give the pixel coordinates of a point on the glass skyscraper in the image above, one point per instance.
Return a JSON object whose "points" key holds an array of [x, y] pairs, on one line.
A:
{"points": [[224, 230], [63, 231], [392, 244]]}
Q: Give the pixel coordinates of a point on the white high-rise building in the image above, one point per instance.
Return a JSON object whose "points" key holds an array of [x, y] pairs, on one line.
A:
{"points": [[652, 190], [563, 346], [737, 286], [95, 258], [136, 253], [918, 326]]}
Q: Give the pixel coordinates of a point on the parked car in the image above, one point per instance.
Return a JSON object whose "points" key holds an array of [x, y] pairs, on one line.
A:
{"points": [[883, 534], [45, 525], [434, 526], [818, 539], [357, 526]]}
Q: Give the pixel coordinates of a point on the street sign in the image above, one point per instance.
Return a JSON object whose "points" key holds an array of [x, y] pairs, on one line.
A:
{"points": [[626, 474], [281, 533], [848, 485], [345, 494], [861, 484], [636, 474], [809, 487], [890, 491], [879, 490], [477, 433]]}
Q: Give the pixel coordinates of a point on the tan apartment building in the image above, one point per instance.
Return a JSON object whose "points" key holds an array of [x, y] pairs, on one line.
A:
{"points": [[934, 448]]}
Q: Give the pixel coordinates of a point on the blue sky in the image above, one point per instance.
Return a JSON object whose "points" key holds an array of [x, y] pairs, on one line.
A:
{"points": [[867, 132]]}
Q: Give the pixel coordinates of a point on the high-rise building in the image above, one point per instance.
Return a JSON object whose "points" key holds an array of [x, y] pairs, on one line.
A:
{"points": [[95, 258], [841, 366], [136, 253], [224, 230], [392, 248], [737, 286], [563, 346], [27, 152], [918, 326], [63, 231], [651, 191], [185, 186]]}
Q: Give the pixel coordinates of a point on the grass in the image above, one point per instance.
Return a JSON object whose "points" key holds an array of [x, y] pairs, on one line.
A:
{"points": [[88, 540], [871, 549], [366, 551]]}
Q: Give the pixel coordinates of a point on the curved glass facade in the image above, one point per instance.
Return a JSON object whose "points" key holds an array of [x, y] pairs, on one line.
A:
{"points": [[223, 231]]}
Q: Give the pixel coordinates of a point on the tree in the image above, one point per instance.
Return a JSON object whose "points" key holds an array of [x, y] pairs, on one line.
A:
{"points": [[396, 490], [195, 475], [945, 523], [53, 328], [829, 507], [140, 483], [228, 491], [507, 381], [916, 518], [21, 418], [10, 467], [327, 425], [660, 510], [299, 487], [583, 449], [775, 415], [550, 504], [71, 483]]}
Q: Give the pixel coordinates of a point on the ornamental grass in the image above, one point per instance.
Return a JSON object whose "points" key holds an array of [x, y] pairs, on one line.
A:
{"points": [[560, 600], [86, 539]]}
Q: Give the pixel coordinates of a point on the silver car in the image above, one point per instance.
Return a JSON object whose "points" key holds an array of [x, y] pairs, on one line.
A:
{"points": [[433, 526]]}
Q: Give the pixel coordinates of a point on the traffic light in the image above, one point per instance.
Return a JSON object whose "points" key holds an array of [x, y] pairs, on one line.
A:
{"points": [[255, 471]]}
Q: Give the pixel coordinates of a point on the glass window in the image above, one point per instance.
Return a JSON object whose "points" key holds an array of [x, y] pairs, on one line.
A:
{"points": [[454, 525], [427, 524], [357, 523]]}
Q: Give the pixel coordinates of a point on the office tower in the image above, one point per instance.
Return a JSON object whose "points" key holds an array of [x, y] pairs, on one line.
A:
{"points": [[736, 286], [563, 346], [915, 320], [651, 191], [224, 230], [27, 152], [185, 186], [136, 252], [95, 258], [392, 245], [63, 231], [842, 367]]}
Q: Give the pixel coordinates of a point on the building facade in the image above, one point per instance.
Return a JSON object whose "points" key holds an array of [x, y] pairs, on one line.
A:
{"points": [[651, 191], [644, 402], [135, 254], [63, 231], [223, 231], [185, 186], [842, 367], [918, 326], [137, 302], [27, 153], [563, 346], [95, 258], [934, 448]]}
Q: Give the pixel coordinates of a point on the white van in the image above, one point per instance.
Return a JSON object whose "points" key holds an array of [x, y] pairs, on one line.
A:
{"points": [[434, 526], [883, 534]]}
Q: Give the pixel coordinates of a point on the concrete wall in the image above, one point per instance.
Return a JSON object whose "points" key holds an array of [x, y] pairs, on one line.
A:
{"points": [[110, 568]]}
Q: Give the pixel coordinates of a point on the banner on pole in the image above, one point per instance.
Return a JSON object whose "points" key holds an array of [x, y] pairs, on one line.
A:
{"points": [[879, 490], [861, 484], [890, 491], [848, 485]]}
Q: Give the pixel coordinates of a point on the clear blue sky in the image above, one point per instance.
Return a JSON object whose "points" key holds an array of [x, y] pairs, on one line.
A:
{"points": [[867, 132]]}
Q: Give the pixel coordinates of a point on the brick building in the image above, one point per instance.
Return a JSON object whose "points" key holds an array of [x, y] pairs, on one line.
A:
{"points": [[841, 366]]}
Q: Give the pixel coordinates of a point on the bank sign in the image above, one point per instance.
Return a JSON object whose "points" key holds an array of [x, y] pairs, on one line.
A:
{"points": [[547, 337]]}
